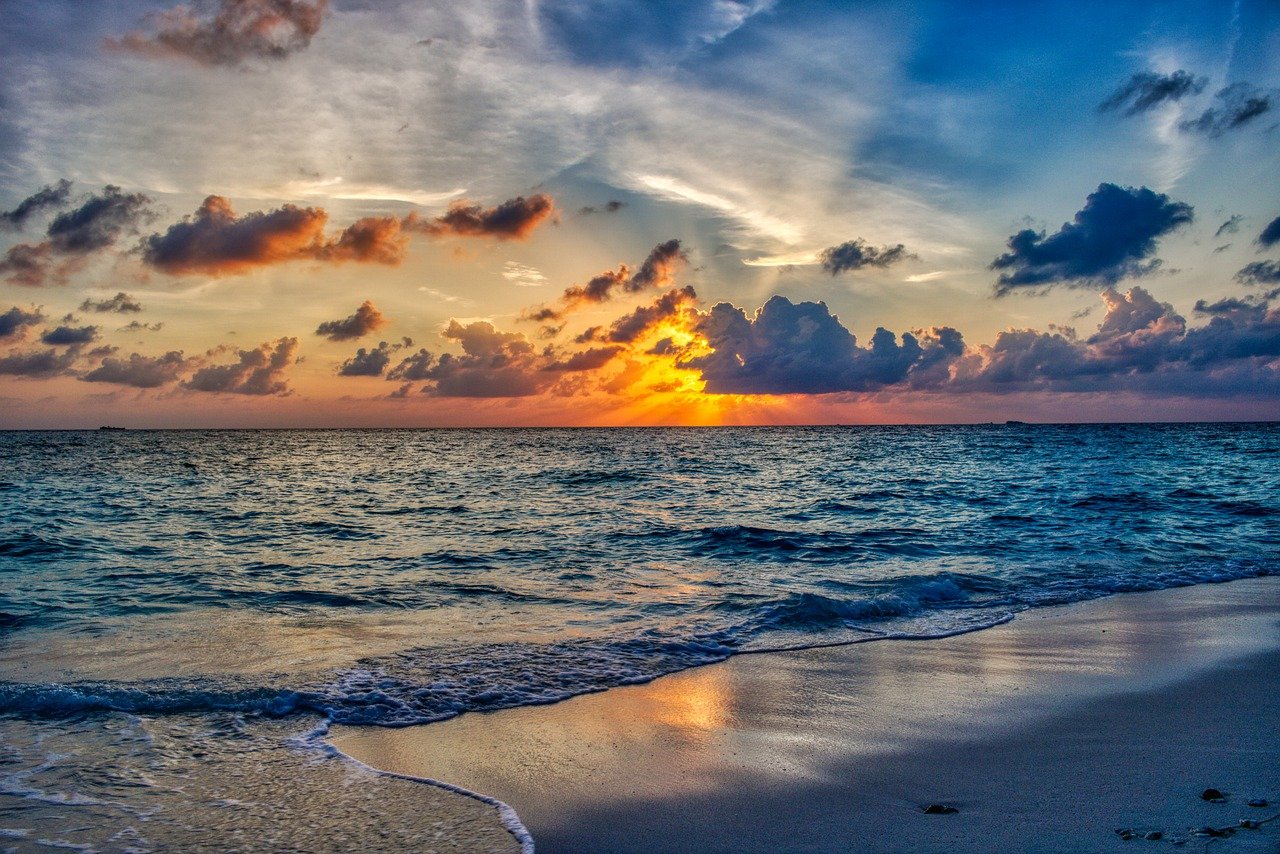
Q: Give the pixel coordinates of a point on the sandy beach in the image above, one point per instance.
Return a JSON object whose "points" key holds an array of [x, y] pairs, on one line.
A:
{"points": [[1049, 733]]}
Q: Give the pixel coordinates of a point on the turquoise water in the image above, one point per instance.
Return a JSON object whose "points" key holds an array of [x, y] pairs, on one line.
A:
{"points": [[184, 613], [396, 577]]}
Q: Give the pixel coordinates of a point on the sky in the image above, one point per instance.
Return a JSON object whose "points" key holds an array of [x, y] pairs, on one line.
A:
{"points": [[300, 213]]}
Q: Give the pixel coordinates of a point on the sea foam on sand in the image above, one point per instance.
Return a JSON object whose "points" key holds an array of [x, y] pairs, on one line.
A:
{"points": [[1049, 733]]}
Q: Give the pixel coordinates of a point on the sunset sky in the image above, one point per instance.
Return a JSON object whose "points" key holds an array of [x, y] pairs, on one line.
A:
{"points": [[239, 213]]}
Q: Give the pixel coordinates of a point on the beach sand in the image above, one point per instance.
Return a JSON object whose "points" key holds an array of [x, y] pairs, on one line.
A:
{"points": [[1048, 733]]}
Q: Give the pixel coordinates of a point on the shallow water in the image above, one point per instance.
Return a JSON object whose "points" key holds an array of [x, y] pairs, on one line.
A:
{"points": [[398, 577]]}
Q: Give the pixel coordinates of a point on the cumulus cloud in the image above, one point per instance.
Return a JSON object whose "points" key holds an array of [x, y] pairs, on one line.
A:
{"points": [[366, 319], [230, 32], [139, 371], [49, 197], [260, 371], [656, 271], [70, 335], [216, 241], [856, 254], [139, 326], [1270, 235], [1141, 345], [1239, 104], [514, 219], [801, 348], [634, 325], [368, 362], [121, 303], [1113, 236], [15, 321], [72, 235], [40, 364], [1147, 89]]}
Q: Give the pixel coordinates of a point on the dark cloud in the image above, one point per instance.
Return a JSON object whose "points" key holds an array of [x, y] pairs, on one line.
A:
{"points": [[790, 348], [1260, 273], [1147, 89], [97, 224], [658, 268], [633, 326], [54, 196], [612, 206], [234, 31], [514, 219], [856, 254], [368, 363], [260, 371], [139, 326], [139, 371], [414, 367], [216, 241], [1113, 236], [70, 335], [34, 265], [40, 364], [591, 359], [656, 271], [1230, 226], [15, 321], [1141, 345], [121, 303], [492, 364], [1270, 235], [1240, 104], [100, 221], [366, 319]]}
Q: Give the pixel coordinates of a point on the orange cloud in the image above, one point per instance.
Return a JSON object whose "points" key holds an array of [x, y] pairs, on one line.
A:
{"points": [[514, 219]]}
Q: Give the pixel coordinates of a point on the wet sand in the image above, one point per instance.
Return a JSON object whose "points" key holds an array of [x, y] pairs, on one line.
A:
{"points": [[1048, 733]]}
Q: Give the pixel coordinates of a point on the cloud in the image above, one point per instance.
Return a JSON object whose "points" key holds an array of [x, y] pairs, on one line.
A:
{"points": [[492, 364], [100, 221], [414, 367], [371, 240], [1141, 345], [1230, 226], [236, 31], [634, 325], [139, 326], [1111, 237], [260, 371], [1260, 273], [1146, 90], [514, 219], [366, 319], [656, 271], [15, 321], [121, 303], [72, 235], [70, 335], [1270, 235], [41, 364], [856, 254], [611, 206], [1241, 103], [53, 196], [216, 241], [801, 348], [139, 371], [368, 363], [523, 275]]}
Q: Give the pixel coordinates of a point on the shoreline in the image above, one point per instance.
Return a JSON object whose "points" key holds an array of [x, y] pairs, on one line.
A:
{"points": [[780, 751]]}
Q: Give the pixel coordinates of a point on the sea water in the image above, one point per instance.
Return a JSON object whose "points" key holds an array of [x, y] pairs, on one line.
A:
{"points": [[244, 588]]}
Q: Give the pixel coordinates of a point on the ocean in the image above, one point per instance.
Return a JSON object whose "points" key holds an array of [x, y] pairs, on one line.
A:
{"points": [[185, 612]]}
